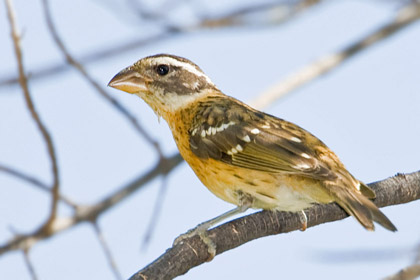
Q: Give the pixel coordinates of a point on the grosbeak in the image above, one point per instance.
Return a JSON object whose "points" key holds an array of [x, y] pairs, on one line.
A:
{"points": [[242, 155]]}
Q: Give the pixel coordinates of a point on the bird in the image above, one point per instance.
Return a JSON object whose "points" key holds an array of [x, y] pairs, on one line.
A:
{"points": [[242, 155]]}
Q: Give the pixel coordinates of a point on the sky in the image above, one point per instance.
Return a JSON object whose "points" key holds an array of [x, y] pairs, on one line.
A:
{"points": [[366, 111]]}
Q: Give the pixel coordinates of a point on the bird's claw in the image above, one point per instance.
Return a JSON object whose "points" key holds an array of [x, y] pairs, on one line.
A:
{"points": [[304, 220], [201, 231]]}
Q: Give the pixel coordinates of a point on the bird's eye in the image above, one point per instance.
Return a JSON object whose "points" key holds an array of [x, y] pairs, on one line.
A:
{"points": [[162, 69]]}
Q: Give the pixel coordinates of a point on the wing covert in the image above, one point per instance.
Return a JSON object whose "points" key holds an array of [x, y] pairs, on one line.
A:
{"points": [[241, 136]]}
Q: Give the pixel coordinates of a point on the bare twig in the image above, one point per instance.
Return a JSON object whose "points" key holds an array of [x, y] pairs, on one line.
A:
{"points": [[29, 264], [320, 67], [417, 254], [31, 107], [192, 251], [409, 273], [24, 177], [107, 251], [171, 31], [155, 213], [35, 182], [90, 213], [97, 55], [79, 67], [261, 14]]}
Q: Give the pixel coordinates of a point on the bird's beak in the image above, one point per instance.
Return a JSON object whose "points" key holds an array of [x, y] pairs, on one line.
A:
{"points": [[130, 81]]}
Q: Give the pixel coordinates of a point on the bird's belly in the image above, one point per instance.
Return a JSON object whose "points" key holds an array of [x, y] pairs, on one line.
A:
{"points": [[269, 191]]}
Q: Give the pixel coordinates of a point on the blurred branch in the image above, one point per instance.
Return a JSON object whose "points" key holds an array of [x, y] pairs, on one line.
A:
{"points": [[192, 252], [258, 14], [97, 55], [33, 181], [417, 256], [268, 12], [408, 273], [107, 251], [90, 213], [154, 218], [407, 15], [29, 264], [31, 107], [79, 67]]}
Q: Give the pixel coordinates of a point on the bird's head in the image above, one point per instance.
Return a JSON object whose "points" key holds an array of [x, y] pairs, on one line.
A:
{"points": [[166, 82]]}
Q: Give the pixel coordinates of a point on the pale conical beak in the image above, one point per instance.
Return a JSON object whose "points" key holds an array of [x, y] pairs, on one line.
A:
{"points": [[129, 81]]}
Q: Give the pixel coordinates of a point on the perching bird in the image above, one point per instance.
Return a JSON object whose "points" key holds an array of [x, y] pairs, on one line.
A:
{"points": [[244, 156]]}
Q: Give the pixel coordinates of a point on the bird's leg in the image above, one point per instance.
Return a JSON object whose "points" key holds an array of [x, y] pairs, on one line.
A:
{"points": [[303, 219], [201, 229]]}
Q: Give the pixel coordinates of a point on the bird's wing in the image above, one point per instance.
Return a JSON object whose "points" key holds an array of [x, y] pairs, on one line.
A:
{"points": [[241, 136]]}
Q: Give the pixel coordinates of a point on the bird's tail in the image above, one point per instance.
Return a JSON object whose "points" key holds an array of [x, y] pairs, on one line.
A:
{"points": [[359, 206]]}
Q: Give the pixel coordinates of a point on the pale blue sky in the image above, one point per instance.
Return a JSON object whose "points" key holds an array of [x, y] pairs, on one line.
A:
{"points": [[366, 111]]}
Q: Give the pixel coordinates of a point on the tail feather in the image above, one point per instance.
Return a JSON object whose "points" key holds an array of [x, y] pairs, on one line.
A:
{"points": [[360, 207], [366, 191], [380, 217]]}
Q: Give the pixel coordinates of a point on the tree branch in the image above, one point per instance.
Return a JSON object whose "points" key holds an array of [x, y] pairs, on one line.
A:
{"points": [[409, 273], [107, 251], [35, 116], [91, 212], [34, 182], [289, 10], [29, 265], [192, 252], [407, 15], [79, 67]]}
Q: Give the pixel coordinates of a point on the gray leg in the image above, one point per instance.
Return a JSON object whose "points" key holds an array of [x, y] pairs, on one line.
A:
{"points": [[201, 229]]}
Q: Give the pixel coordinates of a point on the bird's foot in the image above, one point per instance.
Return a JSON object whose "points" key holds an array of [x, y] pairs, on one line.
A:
{"points": [[201, 231]]}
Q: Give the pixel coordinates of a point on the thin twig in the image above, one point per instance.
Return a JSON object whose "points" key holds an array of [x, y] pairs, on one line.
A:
{"points": [[270, 13], [92, 212], [409, 273], [167, 33], [79, 67], [29, 264], [35, 182], [407, 15], [107, 251], [31, 107], [154, 218], [417, 254], [97, 55]]}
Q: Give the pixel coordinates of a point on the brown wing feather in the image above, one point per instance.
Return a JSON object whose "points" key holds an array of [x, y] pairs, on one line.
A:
{"points": [[272, 149]]}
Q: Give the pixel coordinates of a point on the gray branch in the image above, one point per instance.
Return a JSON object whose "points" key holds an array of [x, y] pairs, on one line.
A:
{"points": [[192, 252]]}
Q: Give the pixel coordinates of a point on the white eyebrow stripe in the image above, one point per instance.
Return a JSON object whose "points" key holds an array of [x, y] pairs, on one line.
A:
{"points": [[190, 68]]}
